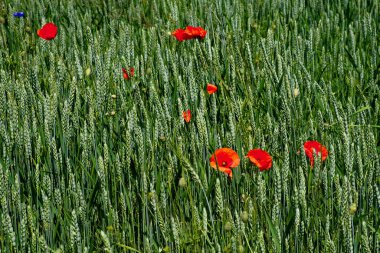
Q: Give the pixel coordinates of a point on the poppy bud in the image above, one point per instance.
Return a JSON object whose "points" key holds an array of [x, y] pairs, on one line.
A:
{"points": [[241, 249], [227, 249], [244, 198], [244, 216], [113, 96], [2, 20], [353, 208], [228, 226], [162, 138], [150, 195], [88, 71], [296, 92], [182, 182]]}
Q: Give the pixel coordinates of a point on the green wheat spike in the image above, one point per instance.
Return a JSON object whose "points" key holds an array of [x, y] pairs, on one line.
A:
{"points": [[219, 197]]}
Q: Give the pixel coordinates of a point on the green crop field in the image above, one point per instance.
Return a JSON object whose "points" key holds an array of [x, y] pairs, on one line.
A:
{"points": [[99, 153]]}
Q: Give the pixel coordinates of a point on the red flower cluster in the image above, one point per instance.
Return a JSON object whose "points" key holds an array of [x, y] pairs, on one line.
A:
{"points": [[224, 159], [189, 33], [48, 31]]}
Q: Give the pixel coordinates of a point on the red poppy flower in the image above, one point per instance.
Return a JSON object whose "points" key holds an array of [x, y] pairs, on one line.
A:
{"points": [[189, 33], [260, 158], [186, 116], [131, 73], [314, 146], [224, 159], [48, 31], [211, 88]]}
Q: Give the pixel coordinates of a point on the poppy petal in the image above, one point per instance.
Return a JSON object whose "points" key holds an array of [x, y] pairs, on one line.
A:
{"points": [[125, 74], [260, 158], [314, 146], [179, 34], [187, 116], [189, 33], [226, 171], [195, 32]]}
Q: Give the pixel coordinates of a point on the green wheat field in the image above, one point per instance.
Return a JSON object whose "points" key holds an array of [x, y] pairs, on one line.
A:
{"points": [[91, 161]]}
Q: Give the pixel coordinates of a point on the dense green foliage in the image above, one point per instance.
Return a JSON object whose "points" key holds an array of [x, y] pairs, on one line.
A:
{"points": [[82, 170]]}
